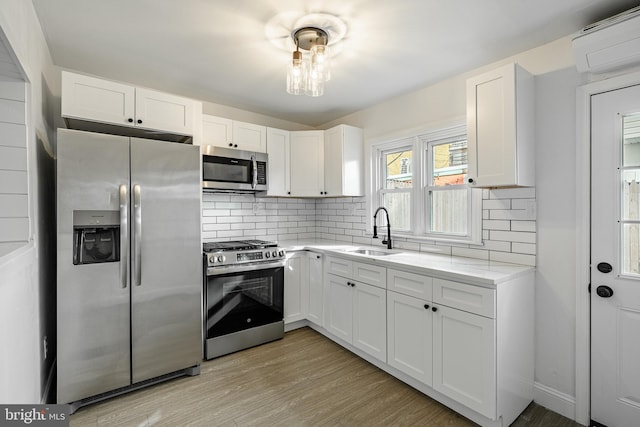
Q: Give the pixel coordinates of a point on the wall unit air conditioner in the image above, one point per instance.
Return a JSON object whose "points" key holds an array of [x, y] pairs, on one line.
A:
{"points": [[608, 44]]}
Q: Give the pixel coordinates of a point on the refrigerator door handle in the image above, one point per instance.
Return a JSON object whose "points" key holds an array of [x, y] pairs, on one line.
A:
{"points": [[137, 238], [124, 235]]}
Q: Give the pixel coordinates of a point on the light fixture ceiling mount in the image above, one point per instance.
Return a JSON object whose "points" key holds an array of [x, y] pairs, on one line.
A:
{"points": [[310, 68]]}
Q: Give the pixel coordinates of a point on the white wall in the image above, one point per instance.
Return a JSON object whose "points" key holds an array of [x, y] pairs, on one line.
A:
{"points": [[26, 281]]}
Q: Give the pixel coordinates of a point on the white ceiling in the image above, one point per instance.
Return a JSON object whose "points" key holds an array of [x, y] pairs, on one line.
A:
{"points": [[219, 51]]}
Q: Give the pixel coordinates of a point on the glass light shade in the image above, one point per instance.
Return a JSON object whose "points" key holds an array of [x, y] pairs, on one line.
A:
{"points": [[315, 83], [321, 61], [296, 75]]}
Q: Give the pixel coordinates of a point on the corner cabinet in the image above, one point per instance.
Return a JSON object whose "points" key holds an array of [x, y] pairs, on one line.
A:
{"points": [[233, 134], [500, 128], [343, 161], [91, 99], [307, 163]]}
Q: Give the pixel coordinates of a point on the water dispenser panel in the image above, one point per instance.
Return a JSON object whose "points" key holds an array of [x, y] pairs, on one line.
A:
{"points": [[96, 237]]}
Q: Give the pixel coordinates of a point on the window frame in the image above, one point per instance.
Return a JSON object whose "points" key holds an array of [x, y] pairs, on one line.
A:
{"points": [[422, 143]]}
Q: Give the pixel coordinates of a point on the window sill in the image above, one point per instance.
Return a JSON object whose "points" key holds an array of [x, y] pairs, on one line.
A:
{"points": [[427, 239]]}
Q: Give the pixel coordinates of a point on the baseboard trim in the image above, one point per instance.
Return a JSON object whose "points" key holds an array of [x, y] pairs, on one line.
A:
{"points": [[555, 400]]}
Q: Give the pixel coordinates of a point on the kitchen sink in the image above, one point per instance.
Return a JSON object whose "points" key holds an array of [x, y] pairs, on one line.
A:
{"points": [[371, 252]]}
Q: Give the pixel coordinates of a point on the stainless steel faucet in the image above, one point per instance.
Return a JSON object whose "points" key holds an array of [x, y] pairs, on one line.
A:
{"points": [[375, 227]]}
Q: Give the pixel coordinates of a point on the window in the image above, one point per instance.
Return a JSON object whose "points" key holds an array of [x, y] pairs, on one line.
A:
{"points": [[422, 181], [397, 186]]}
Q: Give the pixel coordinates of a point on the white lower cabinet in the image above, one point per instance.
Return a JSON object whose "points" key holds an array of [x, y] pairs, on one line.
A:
{"points": [[409, 336], [315, 313], [296, 287], [464, 358], [356, 313], [469, 346]]}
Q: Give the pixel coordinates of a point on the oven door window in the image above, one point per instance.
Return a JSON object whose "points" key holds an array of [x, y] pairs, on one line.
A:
{"points": [[240, 301]]}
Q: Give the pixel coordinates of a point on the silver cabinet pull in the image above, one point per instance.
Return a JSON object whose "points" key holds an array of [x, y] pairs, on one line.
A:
{"points": [[124, 235], [137, 238]]}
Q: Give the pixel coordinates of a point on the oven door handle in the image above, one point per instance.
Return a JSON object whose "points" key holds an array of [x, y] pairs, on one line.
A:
{"points": [[218, 271]]}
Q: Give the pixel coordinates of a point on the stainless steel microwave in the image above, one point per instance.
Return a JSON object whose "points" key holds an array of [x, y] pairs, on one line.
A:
{"points": [[228, 170]]}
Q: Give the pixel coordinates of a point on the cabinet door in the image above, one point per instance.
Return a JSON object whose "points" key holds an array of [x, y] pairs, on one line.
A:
{"points": [[98, 100], [339, 307], [249, 137], [464, 359], [409, 328], [343, 161], [370, 319], [307, 163], [163, 111], [278, 151], [500, 128], [217, 131], [295, 287], [315, 313]]}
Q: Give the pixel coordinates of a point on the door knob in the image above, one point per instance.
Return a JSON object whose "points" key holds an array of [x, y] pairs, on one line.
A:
{"points": [[604, 291]]}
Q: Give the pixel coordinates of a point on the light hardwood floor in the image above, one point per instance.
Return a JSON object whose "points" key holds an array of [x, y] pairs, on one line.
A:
{"points": [[302, 380]]}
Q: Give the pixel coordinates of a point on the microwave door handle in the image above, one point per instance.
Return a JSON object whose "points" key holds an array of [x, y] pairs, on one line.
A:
{"points": [[255, 172], [124, 235], [137, 235]]}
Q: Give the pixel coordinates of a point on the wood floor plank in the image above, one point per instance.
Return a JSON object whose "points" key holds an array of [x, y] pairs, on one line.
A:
{"points": [[304, 379]]}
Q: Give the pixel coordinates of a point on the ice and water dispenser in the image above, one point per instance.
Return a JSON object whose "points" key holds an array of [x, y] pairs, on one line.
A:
{"points": [[96, 237]]}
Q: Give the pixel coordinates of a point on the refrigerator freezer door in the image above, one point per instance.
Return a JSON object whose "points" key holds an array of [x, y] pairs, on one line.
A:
{"points": [[93, 299], [166, 323]]}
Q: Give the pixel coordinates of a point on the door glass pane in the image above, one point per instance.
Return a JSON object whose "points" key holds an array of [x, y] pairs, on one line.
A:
{"points": [[631, 194], [449, 164], [631, 140], [448, 211], [397, 169], [630, 249], [399, 207]]}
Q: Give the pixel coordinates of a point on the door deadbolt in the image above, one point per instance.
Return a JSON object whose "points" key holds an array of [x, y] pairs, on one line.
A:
{"points": [[604, 267], [604, 291]]}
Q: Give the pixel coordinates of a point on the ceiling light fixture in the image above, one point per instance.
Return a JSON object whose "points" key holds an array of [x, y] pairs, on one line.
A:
{"points": [[307, 74]]}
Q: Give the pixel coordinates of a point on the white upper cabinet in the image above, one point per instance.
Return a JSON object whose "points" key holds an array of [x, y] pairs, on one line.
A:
{"points": [[228, 133], [343, 161], [307, 163], [96, 100], [279, 162], [217, 131], [500, 128]]}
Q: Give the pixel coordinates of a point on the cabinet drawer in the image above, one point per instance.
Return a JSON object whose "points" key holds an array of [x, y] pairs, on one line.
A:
{"points": [[473, 299], [339, 266], [411, 284], [371, 274]]}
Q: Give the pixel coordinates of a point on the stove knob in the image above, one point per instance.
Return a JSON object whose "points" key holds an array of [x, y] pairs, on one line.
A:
{"points": [[212, 259], [274, 253], [221, 258], [267, 254], [281, 253]]}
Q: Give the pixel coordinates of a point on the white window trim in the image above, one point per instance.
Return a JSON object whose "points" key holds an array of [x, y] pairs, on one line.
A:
{"points": [[418, 140]]}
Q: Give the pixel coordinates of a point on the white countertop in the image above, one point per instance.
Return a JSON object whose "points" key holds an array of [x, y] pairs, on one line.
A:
{"points": [[468, 270]]}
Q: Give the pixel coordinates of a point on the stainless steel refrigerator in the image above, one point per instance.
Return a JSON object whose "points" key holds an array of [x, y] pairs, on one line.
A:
{"points": [[129, 263]]}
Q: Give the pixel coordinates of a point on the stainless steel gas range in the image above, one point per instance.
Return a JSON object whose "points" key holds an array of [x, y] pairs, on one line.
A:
{"points": [[243, 295]]}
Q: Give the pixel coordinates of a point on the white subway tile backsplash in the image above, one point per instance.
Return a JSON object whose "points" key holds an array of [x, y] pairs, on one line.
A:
{"points": [[512, 236], [508, 223]]}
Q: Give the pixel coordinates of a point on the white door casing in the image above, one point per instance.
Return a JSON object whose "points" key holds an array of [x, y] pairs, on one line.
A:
{"points": [[615, 295]]}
